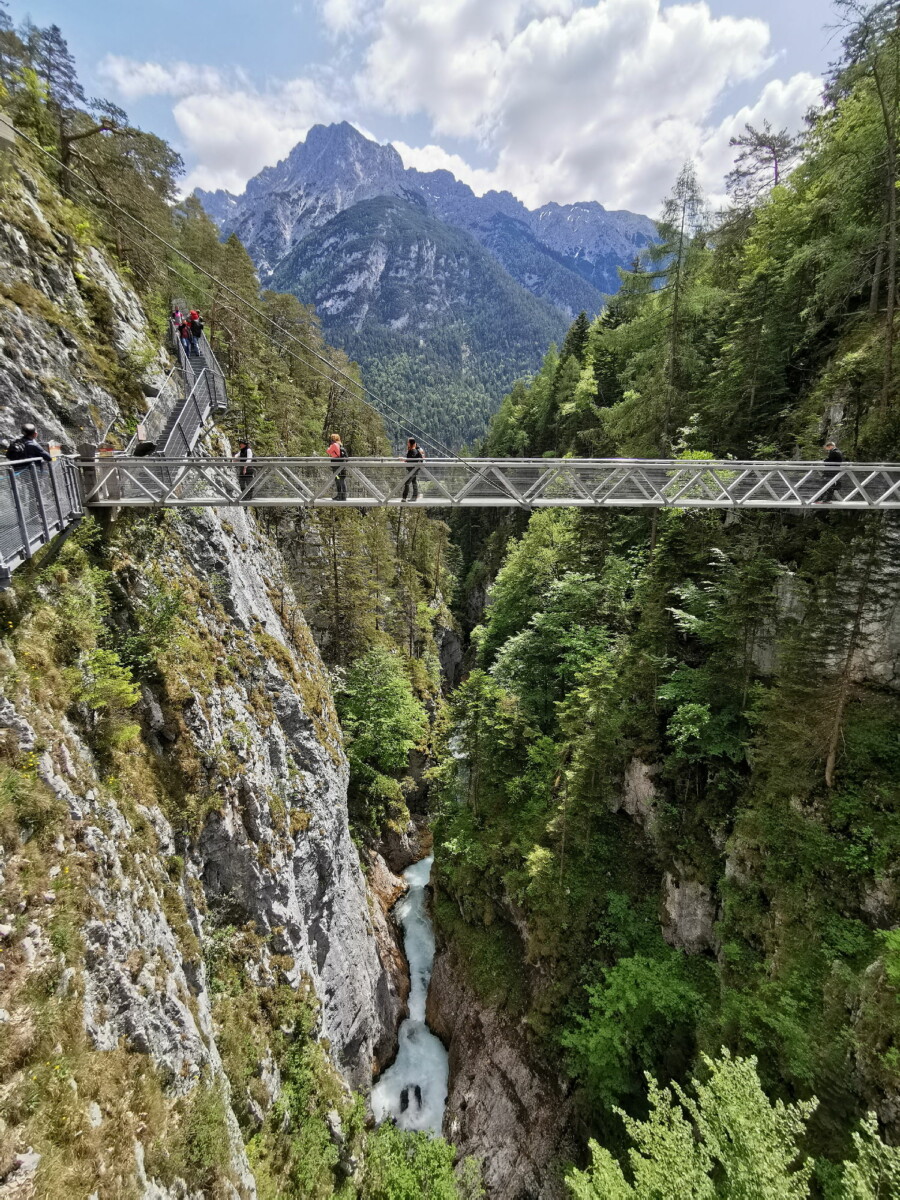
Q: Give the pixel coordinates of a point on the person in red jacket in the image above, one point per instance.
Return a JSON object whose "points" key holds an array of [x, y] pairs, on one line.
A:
{"points": [[337, 452], [187, 338]]}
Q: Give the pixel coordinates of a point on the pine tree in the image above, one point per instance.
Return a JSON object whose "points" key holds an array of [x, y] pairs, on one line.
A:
{"points": [[681, 228], [765, 157], [576, 339]]}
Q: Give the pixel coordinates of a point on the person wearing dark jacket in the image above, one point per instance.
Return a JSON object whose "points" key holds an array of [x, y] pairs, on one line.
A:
{"points": [[246, 472], [27, 446], [414, 456], [24, 482], [833, 457]]}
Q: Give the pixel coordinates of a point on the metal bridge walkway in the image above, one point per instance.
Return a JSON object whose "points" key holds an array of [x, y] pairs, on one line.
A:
{"points": [[39, 500], [489, 483]]}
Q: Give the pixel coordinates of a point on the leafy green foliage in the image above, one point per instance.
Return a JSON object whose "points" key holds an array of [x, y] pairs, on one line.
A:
{"points": [[727, 1139], [637, 1015], [382, 721], [407, 1166], [675, 697]]}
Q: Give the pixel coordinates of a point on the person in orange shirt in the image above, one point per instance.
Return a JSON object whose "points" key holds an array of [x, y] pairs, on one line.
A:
{"points": [[337, 452]]}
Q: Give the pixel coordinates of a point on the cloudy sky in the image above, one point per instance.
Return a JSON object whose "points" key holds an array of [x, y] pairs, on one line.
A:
{"points": [[553, 99]]}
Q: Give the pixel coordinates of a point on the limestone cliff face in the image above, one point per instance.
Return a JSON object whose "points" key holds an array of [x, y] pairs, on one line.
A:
{"points": [[272, 855], [505, 1106], [216, 826]]}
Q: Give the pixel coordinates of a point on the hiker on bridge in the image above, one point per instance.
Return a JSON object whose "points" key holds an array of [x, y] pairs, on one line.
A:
{"points": [[25, 447], [246, 471], [187, 337], [338, 452], [414, 454], [196, 326], [24, 450], [832, 456]]}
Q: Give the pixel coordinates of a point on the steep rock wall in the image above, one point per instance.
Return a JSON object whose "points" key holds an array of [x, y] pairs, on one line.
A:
{"points": [[215, 826], [504, 1107], [272, 853]]}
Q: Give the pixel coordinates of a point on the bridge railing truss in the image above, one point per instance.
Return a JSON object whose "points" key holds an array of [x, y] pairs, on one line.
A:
{"points": [[37, 501], [486, 483]]}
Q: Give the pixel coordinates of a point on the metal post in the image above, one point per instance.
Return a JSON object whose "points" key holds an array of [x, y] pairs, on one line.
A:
{"points": [[35, 480], [55, 489], [20, 515]]}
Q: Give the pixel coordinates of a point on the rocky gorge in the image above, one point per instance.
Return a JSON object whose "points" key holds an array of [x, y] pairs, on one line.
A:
{"points": [[181, 903]]}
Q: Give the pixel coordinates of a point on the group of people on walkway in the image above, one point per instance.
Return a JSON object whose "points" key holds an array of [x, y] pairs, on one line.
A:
{"points": [[188, 328], [415, 456], [337, 452]]}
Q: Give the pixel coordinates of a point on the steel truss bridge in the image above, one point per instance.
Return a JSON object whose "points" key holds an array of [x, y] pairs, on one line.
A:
{"points": [[488, 483], [39, 500], [164, 465]]}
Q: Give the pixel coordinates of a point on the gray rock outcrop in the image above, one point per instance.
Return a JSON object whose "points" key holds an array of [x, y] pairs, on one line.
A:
{"points": [[504, 1107]]}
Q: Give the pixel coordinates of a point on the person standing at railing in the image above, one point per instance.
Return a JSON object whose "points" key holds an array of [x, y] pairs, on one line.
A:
{"points": [[24, 450], [414, 454], [246, 472], [338, 452], [26, 446], [196, 327]]}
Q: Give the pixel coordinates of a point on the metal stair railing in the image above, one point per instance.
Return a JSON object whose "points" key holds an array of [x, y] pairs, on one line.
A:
{"points": [[154, 421], [204, 393], [37, 501], [185, 431]]}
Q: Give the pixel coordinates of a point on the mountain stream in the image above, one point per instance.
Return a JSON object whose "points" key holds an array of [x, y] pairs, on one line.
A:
{"points": [[413, 1090]]}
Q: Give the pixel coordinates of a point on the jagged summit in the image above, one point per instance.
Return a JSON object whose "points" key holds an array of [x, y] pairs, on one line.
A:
{"points": [[336, 166], [401, 290]]}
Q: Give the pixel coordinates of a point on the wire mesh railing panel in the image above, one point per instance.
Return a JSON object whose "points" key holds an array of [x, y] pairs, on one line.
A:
{"points": [[37, 500]]}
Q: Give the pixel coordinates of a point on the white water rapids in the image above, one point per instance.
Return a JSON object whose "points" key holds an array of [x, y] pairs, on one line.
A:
{"points": [[413, 1090]]}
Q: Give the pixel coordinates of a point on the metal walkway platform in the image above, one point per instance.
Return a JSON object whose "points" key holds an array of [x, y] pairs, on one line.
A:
{"points": [[488, 483]]}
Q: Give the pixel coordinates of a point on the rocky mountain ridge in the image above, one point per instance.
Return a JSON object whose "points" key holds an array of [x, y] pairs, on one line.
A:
{"points": [[337, 167], [445, 298]]}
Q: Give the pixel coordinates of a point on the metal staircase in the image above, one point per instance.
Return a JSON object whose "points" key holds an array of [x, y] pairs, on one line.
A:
{"points": [[204, 394]]}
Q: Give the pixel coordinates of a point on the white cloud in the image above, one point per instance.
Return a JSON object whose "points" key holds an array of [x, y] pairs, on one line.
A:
{"points": [[567, 99], [435, 158], [229, 127], [604, 99], [137, 79]]}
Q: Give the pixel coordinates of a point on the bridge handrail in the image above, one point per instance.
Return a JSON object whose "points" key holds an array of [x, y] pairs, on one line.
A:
{"points": [[526, 483], [37, 500], [183, 428], [154, 419]]}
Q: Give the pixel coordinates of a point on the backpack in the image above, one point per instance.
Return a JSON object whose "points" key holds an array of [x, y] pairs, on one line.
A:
{"points": [[344, 453], [17, 450]]}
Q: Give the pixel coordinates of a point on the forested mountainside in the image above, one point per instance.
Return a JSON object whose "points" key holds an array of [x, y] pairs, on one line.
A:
{"points": [[199, 973], [439, 328], [536, 271], [671, 799]]}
